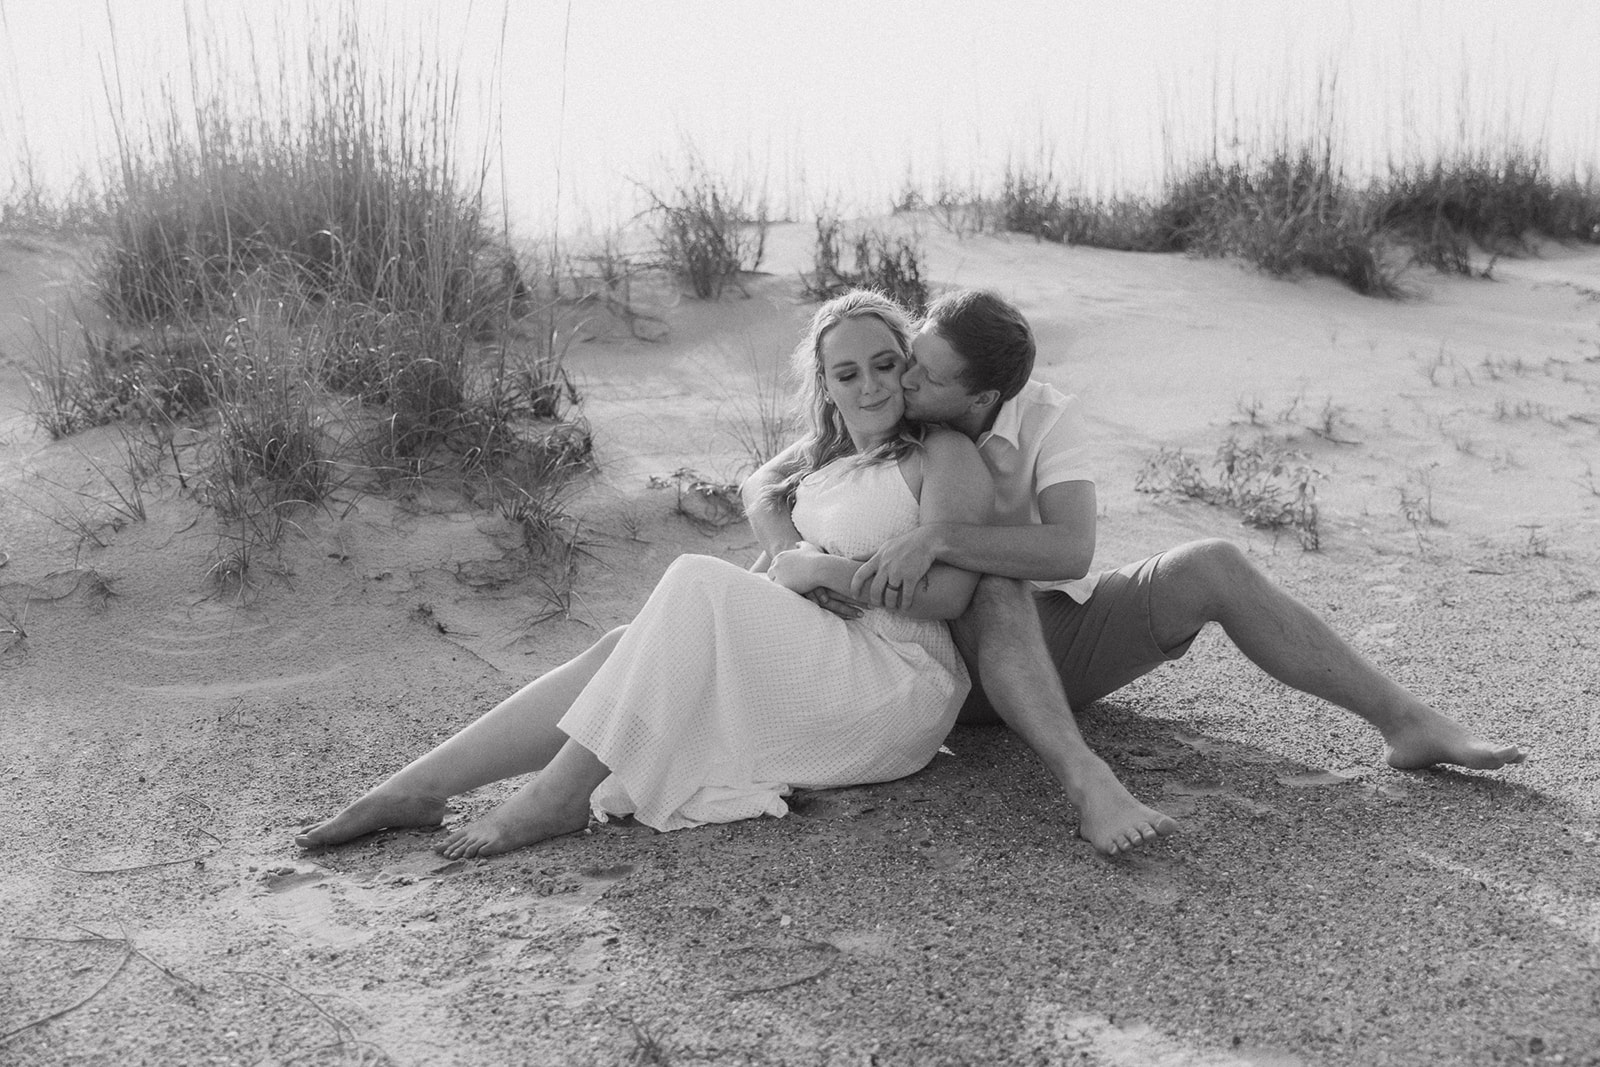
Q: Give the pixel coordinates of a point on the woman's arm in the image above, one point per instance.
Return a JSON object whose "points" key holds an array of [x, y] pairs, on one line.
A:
{"points": [[769, 518]]}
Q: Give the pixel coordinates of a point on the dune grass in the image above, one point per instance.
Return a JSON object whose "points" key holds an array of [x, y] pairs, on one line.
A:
{"points": [[710, 228], [305, 272], [1492, 203], [889, 263], [1292, 208]]}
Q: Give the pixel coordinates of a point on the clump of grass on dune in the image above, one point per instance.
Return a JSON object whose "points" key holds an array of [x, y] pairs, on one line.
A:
{"points": [[1493, 202], [1288, 213], [710, 229], [1033, 201], [28, 206], [1291, 208], [311, 279], [889, 263]]}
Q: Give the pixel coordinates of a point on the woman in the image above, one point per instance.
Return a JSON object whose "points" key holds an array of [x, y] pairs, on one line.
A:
{"points": [[731, 688]]}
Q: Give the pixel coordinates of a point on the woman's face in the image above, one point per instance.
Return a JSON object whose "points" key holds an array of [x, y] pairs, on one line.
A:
{"points": [[861, 368]]}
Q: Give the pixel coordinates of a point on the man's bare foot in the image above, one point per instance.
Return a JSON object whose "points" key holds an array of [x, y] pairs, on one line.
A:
{"points": [[1109, 817], [1436, 739], [526, 818], [375, 811]]}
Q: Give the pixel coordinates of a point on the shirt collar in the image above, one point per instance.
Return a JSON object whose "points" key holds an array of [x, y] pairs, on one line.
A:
{"points": [[1007, 425]]}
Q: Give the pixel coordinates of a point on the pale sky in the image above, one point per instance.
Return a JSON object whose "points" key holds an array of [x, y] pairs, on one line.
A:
{"points": [[825, 97]]}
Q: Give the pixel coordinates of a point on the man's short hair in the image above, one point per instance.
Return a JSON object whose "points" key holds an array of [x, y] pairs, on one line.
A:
{"points": [[990, 335]]}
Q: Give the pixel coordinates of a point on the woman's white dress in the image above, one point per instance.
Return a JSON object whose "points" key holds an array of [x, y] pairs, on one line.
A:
{"points": [[729, 690]]}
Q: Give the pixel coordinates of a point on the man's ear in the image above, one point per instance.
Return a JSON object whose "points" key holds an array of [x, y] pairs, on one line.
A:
{"points": [[985, 401]]}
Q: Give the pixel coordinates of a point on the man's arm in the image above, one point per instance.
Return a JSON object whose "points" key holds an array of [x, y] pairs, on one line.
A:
{"points": [[954, 487], [1060, 547]]}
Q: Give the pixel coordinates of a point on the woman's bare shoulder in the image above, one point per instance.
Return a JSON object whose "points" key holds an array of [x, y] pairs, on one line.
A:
{"points": [[948, 446]]}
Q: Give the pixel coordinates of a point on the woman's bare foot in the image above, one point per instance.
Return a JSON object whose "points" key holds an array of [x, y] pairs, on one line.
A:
{"points": [[1434, 739], [525, 818], [1109, 817], [378, 810]]}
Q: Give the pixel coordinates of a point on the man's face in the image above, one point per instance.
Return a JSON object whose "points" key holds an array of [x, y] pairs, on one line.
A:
{"points": [[932, 384]]}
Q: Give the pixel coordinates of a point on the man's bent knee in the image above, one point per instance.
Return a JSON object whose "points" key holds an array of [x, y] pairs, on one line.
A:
{"points": [[1196, 583], [996, 595], [1205, 571], [998, 604]]}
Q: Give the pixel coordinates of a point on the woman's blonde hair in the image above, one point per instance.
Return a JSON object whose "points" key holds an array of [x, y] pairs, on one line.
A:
{"points": [[827, 438]]}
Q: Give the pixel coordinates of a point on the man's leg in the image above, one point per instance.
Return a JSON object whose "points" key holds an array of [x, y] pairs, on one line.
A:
{"points": [[1212, 581], [999, 636]]}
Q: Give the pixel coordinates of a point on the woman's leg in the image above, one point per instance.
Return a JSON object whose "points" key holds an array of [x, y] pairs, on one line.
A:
{"points": [[556, 802], [518, 736]]}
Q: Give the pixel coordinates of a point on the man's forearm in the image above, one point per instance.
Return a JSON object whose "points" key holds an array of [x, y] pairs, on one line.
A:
{"points": [[1039, 552]]}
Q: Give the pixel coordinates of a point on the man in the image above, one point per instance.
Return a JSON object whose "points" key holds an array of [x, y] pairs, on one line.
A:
{"points": [[1042, 638]]}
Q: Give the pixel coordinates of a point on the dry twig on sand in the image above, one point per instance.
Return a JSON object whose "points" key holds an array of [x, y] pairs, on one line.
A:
{"points": [[344, 1036], [128, 952], [196, 858]]}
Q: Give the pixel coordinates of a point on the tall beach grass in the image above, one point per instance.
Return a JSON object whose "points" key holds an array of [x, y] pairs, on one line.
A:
{"points": [[303, 268], [1291, 203]]}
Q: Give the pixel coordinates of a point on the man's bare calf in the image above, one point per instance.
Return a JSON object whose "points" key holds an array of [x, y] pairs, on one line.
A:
{"points": [[1213, 581], [1000, 634]]}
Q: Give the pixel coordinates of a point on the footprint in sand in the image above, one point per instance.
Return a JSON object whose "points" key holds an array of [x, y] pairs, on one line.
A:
{"points": [[1313, 779], [557, 902], [1187, 794], [1151, 878]]}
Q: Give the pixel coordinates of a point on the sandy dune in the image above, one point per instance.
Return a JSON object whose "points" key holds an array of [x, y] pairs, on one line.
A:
{"points": [[160, 743]]}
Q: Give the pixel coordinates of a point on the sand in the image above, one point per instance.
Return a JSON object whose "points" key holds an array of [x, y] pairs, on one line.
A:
{"points": [[161, 741]]}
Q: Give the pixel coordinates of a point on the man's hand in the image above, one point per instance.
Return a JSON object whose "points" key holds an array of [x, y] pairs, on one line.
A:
{"points": [[895, 573], [842, 606]]}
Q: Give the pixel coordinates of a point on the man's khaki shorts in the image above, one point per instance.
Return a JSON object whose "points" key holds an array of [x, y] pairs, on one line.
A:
{"points": [[1098, 646]]}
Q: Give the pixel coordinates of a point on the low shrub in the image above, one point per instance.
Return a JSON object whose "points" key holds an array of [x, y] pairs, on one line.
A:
{"points": [[891, 264], [1495, 203], [1271, 488], [709, 230]]}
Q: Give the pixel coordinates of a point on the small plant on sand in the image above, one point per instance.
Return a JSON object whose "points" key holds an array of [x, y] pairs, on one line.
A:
{"points": [[703, 501], [891, 264], [1271, 487], [1588, 480], [709, 229], [108, 503], [960, 210], [1416, 505], [13, 635], [1538, 542]]}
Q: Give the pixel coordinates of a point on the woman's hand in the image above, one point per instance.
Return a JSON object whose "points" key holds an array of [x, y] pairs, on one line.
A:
{"points": [[795, 568]]}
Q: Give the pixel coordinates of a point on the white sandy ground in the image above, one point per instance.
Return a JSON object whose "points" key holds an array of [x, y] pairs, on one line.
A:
{"points": [[1318, 909]]}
